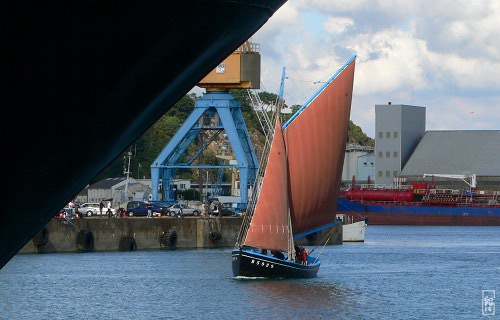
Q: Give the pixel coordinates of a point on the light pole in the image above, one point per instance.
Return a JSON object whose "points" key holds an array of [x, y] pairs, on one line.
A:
{"points": [[129, 155], [206, 189]]}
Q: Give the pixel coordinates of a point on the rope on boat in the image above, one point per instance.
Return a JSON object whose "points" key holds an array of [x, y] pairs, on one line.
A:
{"points": [[321, 251]]}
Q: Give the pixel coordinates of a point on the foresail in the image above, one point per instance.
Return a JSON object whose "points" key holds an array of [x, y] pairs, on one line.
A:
{"points": [[269, 226], [315, 141]]}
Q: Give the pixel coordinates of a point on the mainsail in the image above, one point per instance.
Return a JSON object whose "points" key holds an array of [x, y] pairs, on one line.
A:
{"points": [[269, 226], [315, 140]]}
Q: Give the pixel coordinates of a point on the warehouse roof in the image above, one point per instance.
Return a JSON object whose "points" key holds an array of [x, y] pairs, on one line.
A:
{"points": [[106, 183], [456, 152]]}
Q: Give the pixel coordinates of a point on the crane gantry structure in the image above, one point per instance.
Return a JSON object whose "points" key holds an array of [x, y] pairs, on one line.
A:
{"points": [[216, 112], [473, 180]]}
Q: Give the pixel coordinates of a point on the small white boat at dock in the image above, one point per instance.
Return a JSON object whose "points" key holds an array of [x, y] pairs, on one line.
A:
{"points": [[352, 231]]}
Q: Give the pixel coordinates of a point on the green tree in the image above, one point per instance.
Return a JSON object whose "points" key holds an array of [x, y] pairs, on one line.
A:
{"points": [[190, 194], [147, 147], [357, 136]]}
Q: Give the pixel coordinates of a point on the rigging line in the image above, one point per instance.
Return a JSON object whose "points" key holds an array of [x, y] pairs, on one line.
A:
{"points": [[322, 78], [300, 80], [321, 251], [303, 85], [299, 92]]}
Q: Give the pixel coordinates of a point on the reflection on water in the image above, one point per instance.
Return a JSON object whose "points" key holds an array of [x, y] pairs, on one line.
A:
{"points": [[318, 296]]}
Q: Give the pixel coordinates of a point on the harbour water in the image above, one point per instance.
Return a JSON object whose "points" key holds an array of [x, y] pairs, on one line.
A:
{"points": [[400, 272]]}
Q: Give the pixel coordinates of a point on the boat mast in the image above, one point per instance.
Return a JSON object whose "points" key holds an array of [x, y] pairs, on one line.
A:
{"points": [[280, 103], [279, 106], [291, 244]]}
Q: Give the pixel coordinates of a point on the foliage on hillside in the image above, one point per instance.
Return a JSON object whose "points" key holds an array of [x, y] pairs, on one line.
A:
{"points": [[357, 136], [147, 147]]}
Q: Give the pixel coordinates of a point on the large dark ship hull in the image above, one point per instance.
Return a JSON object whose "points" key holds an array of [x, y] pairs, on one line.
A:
{"points": [[256, 265], [117, 65], [408, 214]]}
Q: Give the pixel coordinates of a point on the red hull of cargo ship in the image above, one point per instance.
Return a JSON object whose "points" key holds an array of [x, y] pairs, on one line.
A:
{"points": [[420, 204]]}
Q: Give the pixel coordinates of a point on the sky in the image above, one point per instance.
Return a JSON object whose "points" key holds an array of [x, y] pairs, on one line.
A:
{"points": [[443, 55]]}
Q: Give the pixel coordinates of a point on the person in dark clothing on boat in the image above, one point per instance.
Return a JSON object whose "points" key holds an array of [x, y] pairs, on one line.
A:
{"points": [[263, 251], [278, 254], [297, 252]]}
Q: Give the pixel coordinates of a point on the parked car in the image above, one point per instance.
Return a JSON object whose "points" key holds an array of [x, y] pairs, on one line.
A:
{"points": [[237, 212], [159, 208], [140, 208], [90, 209], [226, 208], [183, 210]]}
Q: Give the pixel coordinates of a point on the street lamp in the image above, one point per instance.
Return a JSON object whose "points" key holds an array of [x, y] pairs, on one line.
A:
{"points": [[129, 155], [206, 189]]}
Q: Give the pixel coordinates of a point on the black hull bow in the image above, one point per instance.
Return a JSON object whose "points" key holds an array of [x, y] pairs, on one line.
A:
{"points": [[252, 264]]}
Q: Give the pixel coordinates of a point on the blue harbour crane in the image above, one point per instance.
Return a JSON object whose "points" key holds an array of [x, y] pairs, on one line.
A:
{"points": [[216, 111]]}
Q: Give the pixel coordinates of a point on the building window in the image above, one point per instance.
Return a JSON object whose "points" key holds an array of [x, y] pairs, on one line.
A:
{"points": [[387, 173], [380, 154], [183, 186], [380, 134], [380, 173], [395, 134], [395, 154], [387, 134], [387, 154], [394, 173]]}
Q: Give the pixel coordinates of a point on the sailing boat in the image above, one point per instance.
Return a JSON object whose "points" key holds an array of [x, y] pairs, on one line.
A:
{"points": [[300, 185]]}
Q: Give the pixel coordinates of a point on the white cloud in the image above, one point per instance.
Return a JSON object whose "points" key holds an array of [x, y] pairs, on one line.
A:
{"points": [[285, 19], [467, 73], [443, 55], [338, 24], [388, 61]]}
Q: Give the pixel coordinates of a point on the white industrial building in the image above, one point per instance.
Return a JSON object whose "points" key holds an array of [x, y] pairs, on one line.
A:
{"points": [[359, 161]]}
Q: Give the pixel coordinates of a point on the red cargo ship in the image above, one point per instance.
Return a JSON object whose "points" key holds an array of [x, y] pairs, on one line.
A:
{"points": [[420, 203]]}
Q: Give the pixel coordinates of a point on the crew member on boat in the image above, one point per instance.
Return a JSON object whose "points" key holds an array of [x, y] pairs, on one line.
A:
{"points": [[278, 254], [303, 255]]}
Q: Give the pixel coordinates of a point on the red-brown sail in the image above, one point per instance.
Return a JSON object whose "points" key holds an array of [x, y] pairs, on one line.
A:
{"points": [[269, 226], [315, 140]]}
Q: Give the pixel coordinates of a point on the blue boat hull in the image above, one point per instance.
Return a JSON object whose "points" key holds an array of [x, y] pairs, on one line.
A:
{"points": [[390, 214], [251, 264]]}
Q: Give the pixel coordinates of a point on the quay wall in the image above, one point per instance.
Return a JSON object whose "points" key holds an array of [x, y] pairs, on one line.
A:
{"points": [[137, 233]]}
